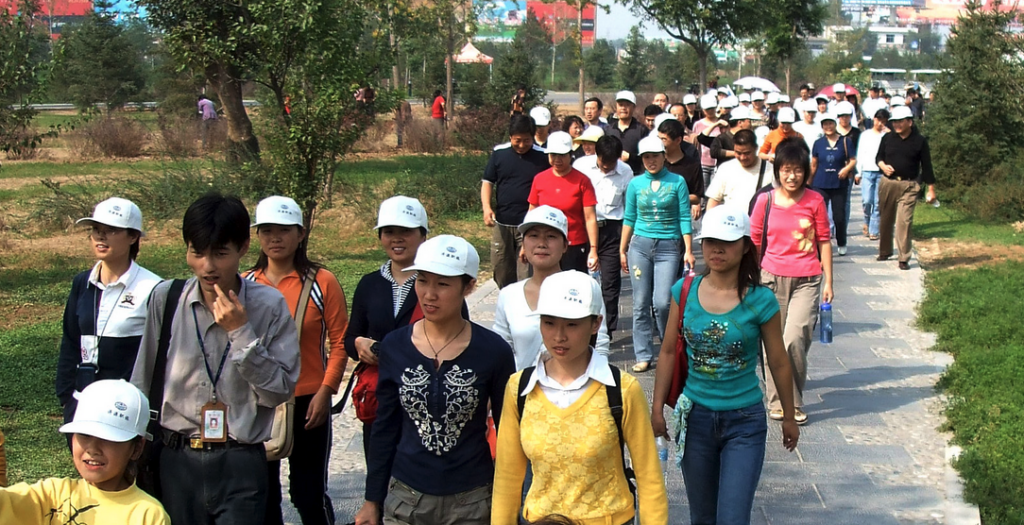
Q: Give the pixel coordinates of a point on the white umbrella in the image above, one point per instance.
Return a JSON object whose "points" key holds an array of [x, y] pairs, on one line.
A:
{"points": [[758, 83]]}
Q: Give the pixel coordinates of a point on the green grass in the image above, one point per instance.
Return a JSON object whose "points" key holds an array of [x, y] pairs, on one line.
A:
{"points": [[947, 223]]}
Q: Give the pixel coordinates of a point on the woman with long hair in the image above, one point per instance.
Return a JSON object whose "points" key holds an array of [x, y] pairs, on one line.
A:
{"points": [[283, 264]]}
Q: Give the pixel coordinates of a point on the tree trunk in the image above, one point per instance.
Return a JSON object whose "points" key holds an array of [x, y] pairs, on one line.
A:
{"points": [[702, 61], [579, 29], [789, 70], [449, 65], [244, 146]]}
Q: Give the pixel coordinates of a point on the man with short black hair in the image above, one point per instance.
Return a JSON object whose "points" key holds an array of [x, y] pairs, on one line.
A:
{"points": [[508, 178], [683, 159], [737, 181], [650, 112], [626, 128], [592, 113], [678, 111], [232, 357]]}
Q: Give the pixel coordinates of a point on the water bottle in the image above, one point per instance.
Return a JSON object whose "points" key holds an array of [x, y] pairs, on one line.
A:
{"points": [[662, 453], [825, 319]]}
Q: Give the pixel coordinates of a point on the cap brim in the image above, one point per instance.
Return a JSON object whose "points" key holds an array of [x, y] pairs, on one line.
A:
{"points": [[557, 152], [525, 227], [720, 237], [399, 224], [255, 224], [100, 430], [439, 269], [561, 314], [89, 221]]}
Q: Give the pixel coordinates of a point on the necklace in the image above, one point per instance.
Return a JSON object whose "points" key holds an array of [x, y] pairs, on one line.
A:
{"points": [[437, 362]]}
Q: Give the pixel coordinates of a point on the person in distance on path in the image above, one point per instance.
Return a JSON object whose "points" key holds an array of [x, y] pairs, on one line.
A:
{"points": [[627, 129], [869, 172], [832, 161], [738, 180]]}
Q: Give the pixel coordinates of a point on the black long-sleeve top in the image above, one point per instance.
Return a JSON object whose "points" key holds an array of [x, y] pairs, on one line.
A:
{"points": [[630, 138], [910, 157]]}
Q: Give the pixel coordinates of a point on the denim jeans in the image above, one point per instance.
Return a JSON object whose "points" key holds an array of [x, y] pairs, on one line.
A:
{"points": [[722, 463], [653, 265], [869, 195]]}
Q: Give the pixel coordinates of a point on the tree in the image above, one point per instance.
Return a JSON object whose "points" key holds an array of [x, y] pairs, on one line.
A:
{"points": [[787, 24], [20, 76], [599, 63], [633, 68], [702, 24], [518, 67]]}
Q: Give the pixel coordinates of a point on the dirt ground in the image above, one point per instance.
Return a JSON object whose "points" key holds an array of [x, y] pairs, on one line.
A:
{"points": [[942, 254]]}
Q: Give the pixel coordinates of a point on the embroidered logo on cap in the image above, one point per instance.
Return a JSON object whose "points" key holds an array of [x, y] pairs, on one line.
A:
{"points": [[120, 406], [284, 207], [117, 208], [451, 249], [408, 207]]}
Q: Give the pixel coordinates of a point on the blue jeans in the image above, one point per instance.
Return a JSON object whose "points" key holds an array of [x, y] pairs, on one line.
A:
{"points": [[869, 194], [653, 265], [722, 463]]}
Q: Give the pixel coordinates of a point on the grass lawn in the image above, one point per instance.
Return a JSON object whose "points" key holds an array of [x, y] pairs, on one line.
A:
{"points": [[976, 313], [34, 286]]}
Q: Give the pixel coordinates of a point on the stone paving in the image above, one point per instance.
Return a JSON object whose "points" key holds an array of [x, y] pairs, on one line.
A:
{"points": [[871, 452]]}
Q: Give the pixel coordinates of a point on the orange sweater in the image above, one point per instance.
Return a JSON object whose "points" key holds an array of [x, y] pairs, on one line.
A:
{"points": [[320, 365], [775, 138]]}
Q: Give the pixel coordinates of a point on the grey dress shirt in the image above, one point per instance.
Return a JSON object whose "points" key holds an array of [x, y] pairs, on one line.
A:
{"points": [[260, 373]]}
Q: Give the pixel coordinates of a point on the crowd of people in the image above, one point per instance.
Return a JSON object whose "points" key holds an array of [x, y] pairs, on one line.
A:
{"points": [[524, 422]]}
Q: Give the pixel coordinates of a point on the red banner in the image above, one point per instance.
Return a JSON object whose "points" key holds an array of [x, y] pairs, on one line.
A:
{"points": [[560, 19]]}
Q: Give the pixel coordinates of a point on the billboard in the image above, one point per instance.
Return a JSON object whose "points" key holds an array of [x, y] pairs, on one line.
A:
{"points": [[944, 12], [499, 20], [559, 18]]}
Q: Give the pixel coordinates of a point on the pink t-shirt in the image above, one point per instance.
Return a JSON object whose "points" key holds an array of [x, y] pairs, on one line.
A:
{"points": [[570, 194], [793, 234], [705, 152]]}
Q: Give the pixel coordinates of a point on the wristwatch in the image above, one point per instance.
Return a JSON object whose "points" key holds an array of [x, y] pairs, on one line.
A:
{"points": [[375, 348]]}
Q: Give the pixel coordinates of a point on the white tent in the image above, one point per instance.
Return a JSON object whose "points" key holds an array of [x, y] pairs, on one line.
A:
{"points": [[471, 55], [756, 83]]}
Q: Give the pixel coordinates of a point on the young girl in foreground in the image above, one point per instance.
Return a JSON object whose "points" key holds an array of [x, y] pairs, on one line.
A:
{"points": [[108, 432], [727, 311], [566, 429]]}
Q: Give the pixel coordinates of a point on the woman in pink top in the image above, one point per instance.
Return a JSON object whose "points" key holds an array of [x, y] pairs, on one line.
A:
{"points": [[796, 260]]}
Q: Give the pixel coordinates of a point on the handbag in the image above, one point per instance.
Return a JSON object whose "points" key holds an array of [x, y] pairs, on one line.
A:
{"points": [[282, 434], [682, 365], [364, 395]]}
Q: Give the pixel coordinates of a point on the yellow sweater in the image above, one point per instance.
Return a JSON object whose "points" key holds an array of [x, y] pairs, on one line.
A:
{"points": [[63, 501], [577, 466]]}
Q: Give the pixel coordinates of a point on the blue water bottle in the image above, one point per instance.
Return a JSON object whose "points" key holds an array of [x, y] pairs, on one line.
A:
{"points": [[825, 319]]}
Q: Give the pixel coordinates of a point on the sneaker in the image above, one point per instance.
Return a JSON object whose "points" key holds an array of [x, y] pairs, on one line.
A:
{"points": [[775, 415], [800, 417], [904, 265], [641, 367], [841, 251]]}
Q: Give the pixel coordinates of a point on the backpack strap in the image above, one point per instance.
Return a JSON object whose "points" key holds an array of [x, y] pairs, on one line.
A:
{"points": [[764, 224], [760, 175], [156, 388], [615, 404], [524, 380], [300, 306]]}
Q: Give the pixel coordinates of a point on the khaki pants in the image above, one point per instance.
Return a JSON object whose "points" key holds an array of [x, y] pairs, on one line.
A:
{"points": [[798, 307], [3, 462], [896, 202], [405, 506], [505, 244]]}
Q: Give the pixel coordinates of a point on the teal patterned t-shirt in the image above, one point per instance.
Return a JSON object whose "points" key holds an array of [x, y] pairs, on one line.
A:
{"points": [[723, 348]]}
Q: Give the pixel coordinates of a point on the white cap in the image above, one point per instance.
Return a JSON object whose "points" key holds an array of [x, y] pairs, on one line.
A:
{"points": [[828, 115], [787, 116], [569, 295], [724, 90], [757, 95], [725, 223], [689, 98], [628, 96], [650, 144], [590, 134], [808, 106], [559, 143], [447, 255], [772, 98], [662, 118], [740, 113], [402, 211], [278, 210], [708, 102], [117, 213], [900, 113], [839, 88], [110, 409], [744, 97], [897, 101], [784, 98], [545, 216], [731, 101], [541, 116], [843, 108]]}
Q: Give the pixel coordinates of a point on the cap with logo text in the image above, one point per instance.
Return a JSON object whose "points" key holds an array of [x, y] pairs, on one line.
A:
{"points": [[545, 216], [569, 295], [541, 115], [110, 409], [559, 143], [278, 210], [402, 211], [725, 223], [116, 213], [447, 255]]}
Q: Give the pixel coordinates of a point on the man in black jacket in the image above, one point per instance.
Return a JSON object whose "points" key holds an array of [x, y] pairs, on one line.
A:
{"points": [[626, 128]]}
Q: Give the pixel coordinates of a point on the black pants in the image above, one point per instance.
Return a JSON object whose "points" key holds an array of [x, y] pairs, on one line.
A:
{"points": [[224, 486], [609, 236], [835, 198], [575, 258], [307, 473]]}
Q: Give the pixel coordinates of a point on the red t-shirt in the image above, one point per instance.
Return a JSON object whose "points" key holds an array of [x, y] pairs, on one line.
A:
{"points": [[435, 110], [570, 194], [793, 234]]}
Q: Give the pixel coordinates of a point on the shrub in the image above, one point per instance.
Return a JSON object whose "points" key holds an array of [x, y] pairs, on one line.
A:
{"points": [[168, 193], [422, 136], [64, 204], [1001, 198], [374, 139], [179, 136], [117, 136], [480, 129]]}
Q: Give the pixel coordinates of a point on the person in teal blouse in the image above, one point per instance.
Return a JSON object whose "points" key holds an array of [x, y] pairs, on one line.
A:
{"points": [[655, 229]]}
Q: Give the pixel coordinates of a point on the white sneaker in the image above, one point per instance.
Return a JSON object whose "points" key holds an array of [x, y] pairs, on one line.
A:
{"points": [[841, 251]]}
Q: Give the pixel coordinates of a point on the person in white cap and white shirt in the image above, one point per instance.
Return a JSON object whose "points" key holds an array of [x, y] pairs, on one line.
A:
{"points": [[838, 95], [107, 436], [564, 188], [562, 417], [438, 376], [709, 104], [869, 172], [808, 128], [627, 129], [284, 264], [758, 114], [542, 119], [105, 313], [738, 180], [544, 242]]}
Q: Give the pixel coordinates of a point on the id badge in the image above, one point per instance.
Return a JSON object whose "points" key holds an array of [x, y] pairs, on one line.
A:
{"points": [[90, 349], [215, 422]]}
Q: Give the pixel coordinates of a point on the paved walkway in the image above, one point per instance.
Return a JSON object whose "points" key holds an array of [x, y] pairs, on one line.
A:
{"points": [[871, 452]]}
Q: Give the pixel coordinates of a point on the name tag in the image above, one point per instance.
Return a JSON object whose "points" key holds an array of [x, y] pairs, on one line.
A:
{"points": [[215, 422], [90, 346]]}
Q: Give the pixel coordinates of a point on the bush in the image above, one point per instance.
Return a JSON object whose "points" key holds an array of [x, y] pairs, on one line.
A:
{"points": [[375, 138], [480, 129], [65, 203], [422, 136], [167, 194], [179, 136], [1001, 198], [117, 136]]}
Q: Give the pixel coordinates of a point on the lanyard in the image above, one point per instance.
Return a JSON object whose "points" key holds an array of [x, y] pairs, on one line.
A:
{"points": [[223, 359]]}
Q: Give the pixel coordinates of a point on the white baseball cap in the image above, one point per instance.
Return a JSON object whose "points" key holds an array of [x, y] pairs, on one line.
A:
{"points": [[828, 115], [628, 96], [740, 113], [724, 91], [839, 88], [662, 118], [820, 96], [689, 98], [744, 97], [650, 144], [278, 210], [569, 295], [731, 101], [541, 116], [901, 113], [843, 108], [116, 213], [708, 102], [545, 216], [784, 98], [757, 95], [590, 134], [402, 211], [110, 409], [725, 223], [447, 255], [559, 143], [787, 116], [897, 101], [808, 106], [772, 98]]}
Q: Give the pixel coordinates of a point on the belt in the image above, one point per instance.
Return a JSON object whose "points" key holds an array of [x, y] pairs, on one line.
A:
{"points": [[603, 222], [176, 441], [898, 179]]}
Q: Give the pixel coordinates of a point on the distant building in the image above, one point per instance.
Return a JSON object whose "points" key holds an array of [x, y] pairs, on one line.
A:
{"points": [[63, 12]]}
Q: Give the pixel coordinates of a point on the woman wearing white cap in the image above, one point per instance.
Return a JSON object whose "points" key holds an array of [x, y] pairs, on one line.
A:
{"points": [[655, 232], [719, 415], [560, 416], [283, 264], [106, 309], [429, 458], [544, 233]]}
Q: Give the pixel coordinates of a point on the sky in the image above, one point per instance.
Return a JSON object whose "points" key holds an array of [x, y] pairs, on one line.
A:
{"points": [[617, 23]]}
